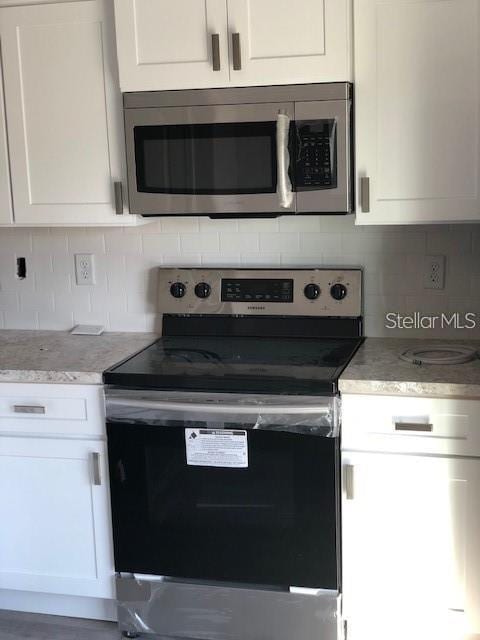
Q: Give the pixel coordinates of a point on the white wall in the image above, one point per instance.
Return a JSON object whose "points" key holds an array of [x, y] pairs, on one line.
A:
{"points": [[124, 296]]}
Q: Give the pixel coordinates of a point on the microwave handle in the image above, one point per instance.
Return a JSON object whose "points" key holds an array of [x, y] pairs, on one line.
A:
{"points": [[284, 186]]}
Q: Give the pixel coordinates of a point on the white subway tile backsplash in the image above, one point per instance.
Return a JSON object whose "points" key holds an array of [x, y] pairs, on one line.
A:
{"points": [[124, 297], [39, 301], [321, 244], [58, 320], [449, 240], [230, 243], [199, 242], [123, 241], [14, 319], [157, 244], [281, 241]]}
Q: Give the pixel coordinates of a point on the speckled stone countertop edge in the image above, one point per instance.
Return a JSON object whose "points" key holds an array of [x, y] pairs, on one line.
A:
{"points": [[402, 388], [50, 377]]}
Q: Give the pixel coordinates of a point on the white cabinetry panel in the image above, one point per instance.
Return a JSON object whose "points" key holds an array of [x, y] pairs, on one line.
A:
{"points": [[168, 45], [6, 213], [410, 556], [63, 111], [283, 43], [417, 76], [55, 536]]}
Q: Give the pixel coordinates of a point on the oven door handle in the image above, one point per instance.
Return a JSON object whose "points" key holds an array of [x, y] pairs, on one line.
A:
{"points": [[284, 186], [220, 408]]}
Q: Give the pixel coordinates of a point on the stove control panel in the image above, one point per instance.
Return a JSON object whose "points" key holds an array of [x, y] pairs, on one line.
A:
{"points": [[307, 292]]}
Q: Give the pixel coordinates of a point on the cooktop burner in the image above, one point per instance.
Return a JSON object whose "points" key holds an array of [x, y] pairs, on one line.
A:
{"points": [[242, 364]]}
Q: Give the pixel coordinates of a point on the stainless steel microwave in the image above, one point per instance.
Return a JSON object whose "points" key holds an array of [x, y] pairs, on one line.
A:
{"points": [[245, 152]]}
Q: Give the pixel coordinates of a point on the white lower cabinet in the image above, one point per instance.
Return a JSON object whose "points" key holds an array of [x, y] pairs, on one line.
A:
{"points": [[55, 536], [410, 536]]}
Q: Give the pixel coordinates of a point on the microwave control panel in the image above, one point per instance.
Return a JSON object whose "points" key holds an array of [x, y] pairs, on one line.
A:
{"points": [[316, 157]]}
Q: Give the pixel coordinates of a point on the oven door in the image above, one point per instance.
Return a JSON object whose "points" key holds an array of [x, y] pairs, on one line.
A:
{"points": [[222, 159], [225, 491]]}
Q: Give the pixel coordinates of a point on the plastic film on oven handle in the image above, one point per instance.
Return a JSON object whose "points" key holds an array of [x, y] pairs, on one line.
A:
{"points": [[284, 186]]}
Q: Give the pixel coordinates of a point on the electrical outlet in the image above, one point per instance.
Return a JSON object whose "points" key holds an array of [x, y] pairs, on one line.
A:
{"points": [[84, 268], [434, 272]]}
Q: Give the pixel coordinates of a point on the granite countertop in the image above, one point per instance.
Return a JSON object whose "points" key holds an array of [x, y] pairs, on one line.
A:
{"points": [[58, 357], [377, 369]]}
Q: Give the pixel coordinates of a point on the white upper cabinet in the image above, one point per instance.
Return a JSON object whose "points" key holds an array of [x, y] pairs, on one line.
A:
{"points": [[64, 113], [216, 43], [6, 213], [280, 42], [417, 89], [171, 45]]}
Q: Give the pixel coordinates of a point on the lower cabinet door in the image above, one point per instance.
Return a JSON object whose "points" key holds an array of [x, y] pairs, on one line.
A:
{"points": [[55, 533], [411, 557]]}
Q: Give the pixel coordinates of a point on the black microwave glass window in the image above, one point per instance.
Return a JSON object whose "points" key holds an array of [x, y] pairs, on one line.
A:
{"points": [[206, 159], [316, 166]]}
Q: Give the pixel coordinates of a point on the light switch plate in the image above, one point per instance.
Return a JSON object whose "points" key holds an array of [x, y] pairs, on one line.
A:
{"points": [[88, 330]]}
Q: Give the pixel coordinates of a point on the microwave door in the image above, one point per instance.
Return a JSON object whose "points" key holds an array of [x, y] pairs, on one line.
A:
{"points": [[210, 160], [323, 158]]}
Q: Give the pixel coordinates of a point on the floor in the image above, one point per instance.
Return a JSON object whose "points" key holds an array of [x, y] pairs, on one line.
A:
{"points": [[30, 626]]}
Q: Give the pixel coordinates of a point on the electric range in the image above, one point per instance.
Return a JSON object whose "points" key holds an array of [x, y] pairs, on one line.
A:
{"points": [[224, 455]]}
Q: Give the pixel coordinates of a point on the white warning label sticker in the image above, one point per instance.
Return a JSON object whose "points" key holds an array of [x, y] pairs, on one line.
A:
{"points": [[216, 448]]}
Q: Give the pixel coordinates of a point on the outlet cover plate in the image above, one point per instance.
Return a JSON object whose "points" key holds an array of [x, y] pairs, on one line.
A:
{"points": [[434, 272], [84, 269]]}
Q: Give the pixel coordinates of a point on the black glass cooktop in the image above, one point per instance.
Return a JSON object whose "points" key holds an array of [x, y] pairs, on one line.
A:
{"points": [[308, 366]]}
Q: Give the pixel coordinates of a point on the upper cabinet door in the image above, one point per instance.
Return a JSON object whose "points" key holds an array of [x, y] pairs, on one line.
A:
{"points": [[417, 83], [284, 42], [171, 44], [64, 112], [6, 213]]}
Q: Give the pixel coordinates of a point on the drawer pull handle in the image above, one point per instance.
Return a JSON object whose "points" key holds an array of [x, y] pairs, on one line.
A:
{"points": [[414, 426], [349, 481], [118, 190], [97, 477], [216, 52], [365, 194], [25, 408], [237, 52]]}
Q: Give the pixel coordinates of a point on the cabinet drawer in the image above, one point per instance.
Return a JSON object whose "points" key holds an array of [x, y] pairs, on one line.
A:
{"points": [[34, 407], [52, 409], [411, 425]]}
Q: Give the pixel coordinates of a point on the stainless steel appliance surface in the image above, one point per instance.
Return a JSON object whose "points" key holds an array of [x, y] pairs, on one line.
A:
{"points": [[253, 151], [224, 455]]}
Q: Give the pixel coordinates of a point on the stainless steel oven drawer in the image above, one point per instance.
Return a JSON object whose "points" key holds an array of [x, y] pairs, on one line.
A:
{"points": [[212, 612]]}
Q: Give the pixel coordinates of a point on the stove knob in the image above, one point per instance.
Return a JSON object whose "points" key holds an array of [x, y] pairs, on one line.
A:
{"points": [[178, 289], [202, 290], [338, 291], [312, 291]]}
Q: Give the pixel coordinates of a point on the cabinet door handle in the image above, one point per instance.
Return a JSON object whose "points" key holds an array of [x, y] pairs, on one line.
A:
{"points": [[216, 51], [26, 408], [349, 481], [425, 427], [237, 52], [97, 477], [365, 194], [118, 187]]}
